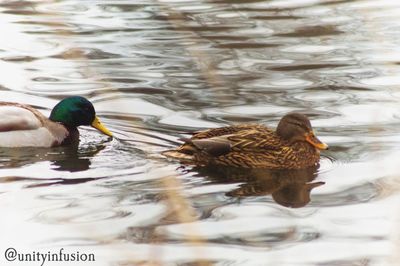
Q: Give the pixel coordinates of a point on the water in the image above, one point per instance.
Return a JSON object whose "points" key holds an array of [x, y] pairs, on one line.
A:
{"points": [[157, 69]]}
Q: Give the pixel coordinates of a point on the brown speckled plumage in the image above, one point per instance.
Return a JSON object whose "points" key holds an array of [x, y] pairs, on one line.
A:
{"points": [[254, 146]]}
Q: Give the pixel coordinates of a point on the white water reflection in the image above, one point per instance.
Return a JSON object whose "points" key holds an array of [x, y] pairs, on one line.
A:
{"points": [[144, 66]]}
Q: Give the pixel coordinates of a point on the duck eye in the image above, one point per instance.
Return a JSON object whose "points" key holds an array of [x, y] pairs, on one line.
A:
{"points": [[300, 125]]}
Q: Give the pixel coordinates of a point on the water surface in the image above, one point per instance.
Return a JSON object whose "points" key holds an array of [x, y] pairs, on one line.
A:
{"points": [[157, 69]]}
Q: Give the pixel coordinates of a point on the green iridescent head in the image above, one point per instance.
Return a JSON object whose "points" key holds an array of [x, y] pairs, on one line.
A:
{"points": [[77, 111]]}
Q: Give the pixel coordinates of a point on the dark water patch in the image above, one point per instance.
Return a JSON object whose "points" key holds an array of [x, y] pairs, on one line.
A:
{"points": [[120, 80], [45, 79], [16, 4], [87, 53], [19, 58], [336, 2], [152, 91], [344, 87], [26, 12], [350, 262], [239, 1], [263, 8], [233, 119], [121, 8], [51, 24], [306, 67], [100, 31], [246, 45], [225, 37], [46, 182], [276, 17], [213, 28], [312, 31]]}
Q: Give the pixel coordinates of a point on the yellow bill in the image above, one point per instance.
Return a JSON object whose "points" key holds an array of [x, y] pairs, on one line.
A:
{"points": [[100, 127]]}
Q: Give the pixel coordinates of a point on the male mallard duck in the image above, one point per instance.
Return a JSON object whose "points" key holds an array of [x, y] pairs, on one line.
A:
{"points": [[292, 146], [23, 126]]}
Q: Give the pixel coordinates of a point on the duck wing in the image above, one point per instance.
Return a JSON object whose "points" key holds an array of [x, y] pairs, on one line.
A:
{"points": [[246, 140], [17, 117], [215, 146], [255, 141], [24, 126]]}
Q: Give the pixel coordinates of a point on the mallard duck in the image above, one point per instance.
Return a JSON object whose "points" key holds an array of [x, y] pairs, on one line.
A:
{"points": [[23, 126], [292, 146]]}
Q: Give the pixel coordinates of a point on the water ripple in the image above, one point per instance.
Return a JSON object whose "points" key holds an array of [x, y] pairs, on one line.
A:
{"points": [[155, 70]]}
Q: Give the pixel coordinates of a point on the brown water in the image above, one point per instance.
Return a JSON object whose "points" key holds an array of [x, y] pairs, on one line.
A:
{"points": [[157, 69]]}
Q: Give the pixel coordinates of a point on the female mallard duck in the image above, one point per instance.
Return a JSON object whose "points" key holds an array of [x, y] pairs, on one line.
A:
{"points": [[292, 146], [23, 126]]}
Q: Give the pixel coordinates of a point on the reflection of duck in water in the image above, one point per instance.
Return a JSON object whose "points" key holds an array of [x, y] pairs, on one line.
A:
{"points": [[292, 146], [290, 188], [70, 158], [23, 126]]}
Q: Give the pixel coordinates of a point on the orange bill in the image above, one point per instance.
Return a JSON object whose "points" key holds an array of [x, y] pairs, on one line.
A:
{"points": [[313, 140]]}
